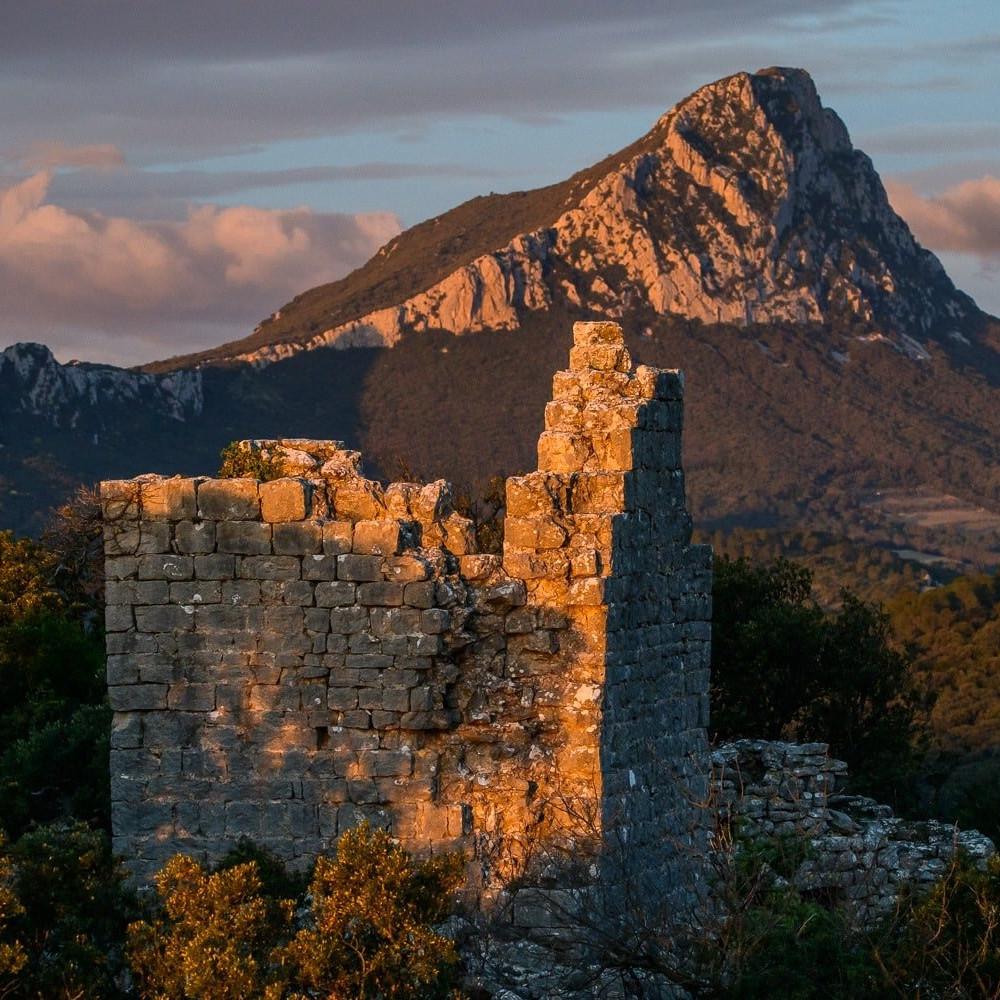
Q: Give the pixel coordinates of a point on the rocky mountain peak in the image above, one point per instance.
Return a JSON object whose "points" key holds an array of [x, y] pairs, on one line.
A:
{"points": [[745, 204]]}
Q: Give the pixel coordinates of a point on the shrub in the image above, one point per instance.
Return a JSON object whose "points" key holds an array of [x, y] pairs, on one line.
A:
{"points": [[72, 912], [211, 939], [761, 937], [371, 928], [367, 932], [241, 459], [13, 957], [946, 943], [59, 771]]}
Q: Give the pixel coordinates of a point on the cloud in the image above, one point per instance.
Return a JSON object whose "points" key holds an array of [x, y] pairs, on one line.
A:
{"points": [[45, 155], [175, 80], [964, 218], [932, 138], [134, 191], [67, 276]]}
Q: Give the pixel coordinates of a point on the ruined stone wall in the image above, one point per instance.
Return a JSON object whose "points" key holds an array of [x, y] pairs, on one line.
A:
{"points": [[290, 657], [858, 852]]}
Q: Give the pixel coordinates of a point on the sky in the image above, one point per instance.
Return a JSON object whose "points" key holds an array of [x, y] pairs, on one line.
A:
{"points": [[171, 173]]}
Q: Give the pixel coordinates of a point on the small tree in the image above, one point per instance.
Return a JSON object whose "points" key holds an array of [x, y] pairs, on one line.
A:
{"points": [[213, 937], [71, 912], [784, 669], [371, 931]]}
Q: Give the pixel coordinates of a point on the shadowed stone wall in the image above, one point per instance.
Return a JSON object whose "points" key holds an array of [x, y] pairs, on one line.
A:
{"points": [[288, 658]]}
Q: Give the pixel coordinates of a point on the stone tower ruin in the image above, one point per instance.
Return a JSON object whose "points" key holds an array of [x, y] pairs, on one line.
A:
{"points": [[287, 658]]}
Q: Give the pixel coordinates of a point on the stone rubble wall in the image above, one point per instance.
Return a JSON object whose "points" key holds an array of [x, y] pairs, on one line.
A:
{"points": [[859, 853], [291, 657]]}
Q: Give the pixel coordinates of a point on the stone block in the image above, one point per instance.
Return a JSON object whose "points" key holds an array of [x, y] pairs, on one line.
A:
{"points": [[588, 592], [433, 502], [118, 618], [164, 618], [137, 697], [382, 594], [120, 567], [301, 538], [342, 699], [597, 334], [358, 500], [191, 697], [359, 568], [169, 499], [613, 450], [215, 567], [244, 538], [335, 594], [196, 592], [229, 500], [408, 569], [270, 568], [284, 500], [478, 566], [420, 595], [459, 534], [319, 567], [535, 493], [434, 621], [600, 357], [195, 537], [338, 537], [154, 537], [559, 451], [380, 538], [166, 567], [348, 620]]}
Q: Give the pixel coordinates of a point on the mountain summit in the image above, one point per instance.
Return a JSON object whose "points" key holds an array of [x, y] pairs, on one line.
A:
{"points": [[744, 204]]}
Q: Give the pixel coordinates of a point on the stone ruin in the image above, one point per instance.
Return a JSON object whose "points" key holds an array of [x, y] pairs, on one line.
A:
{"points": [[288, 658], [858, 854]]}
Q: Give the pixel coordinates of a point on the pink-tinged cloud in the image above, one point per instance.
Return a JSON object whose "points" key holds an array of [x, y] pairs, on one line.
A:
{"points": [[964, 218], [47, 155], [114, 288]]}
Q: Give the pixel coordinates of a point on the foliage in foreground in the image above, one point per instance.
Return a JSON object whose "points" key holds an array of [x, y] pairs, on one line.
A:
{"points": [[66, 913], [368, 933]]}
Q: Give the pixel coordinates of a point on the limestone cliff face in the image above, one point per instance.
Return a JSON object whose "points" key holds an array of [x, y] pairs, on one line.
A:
{"points": [[34, 383], [746, 203]]}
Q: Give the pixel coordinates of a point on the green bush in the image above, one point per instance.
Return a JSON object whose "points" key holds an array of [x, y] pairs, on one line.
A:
{"points": [[60, 771], [240, 460], [767, 939], [70, 915], [946, 943], [366, 929], [371, 932], [782, 668]]}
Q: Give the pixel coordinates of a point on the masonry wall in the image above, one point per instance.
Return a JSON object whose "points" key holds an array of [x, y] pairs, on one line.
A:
{"points": [[288, 658], [859, 854]]}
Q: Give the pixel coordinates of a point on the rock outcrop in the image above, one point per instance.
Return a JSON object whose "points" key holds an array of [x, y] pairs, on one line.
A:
{"points": [[33, 383]]}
